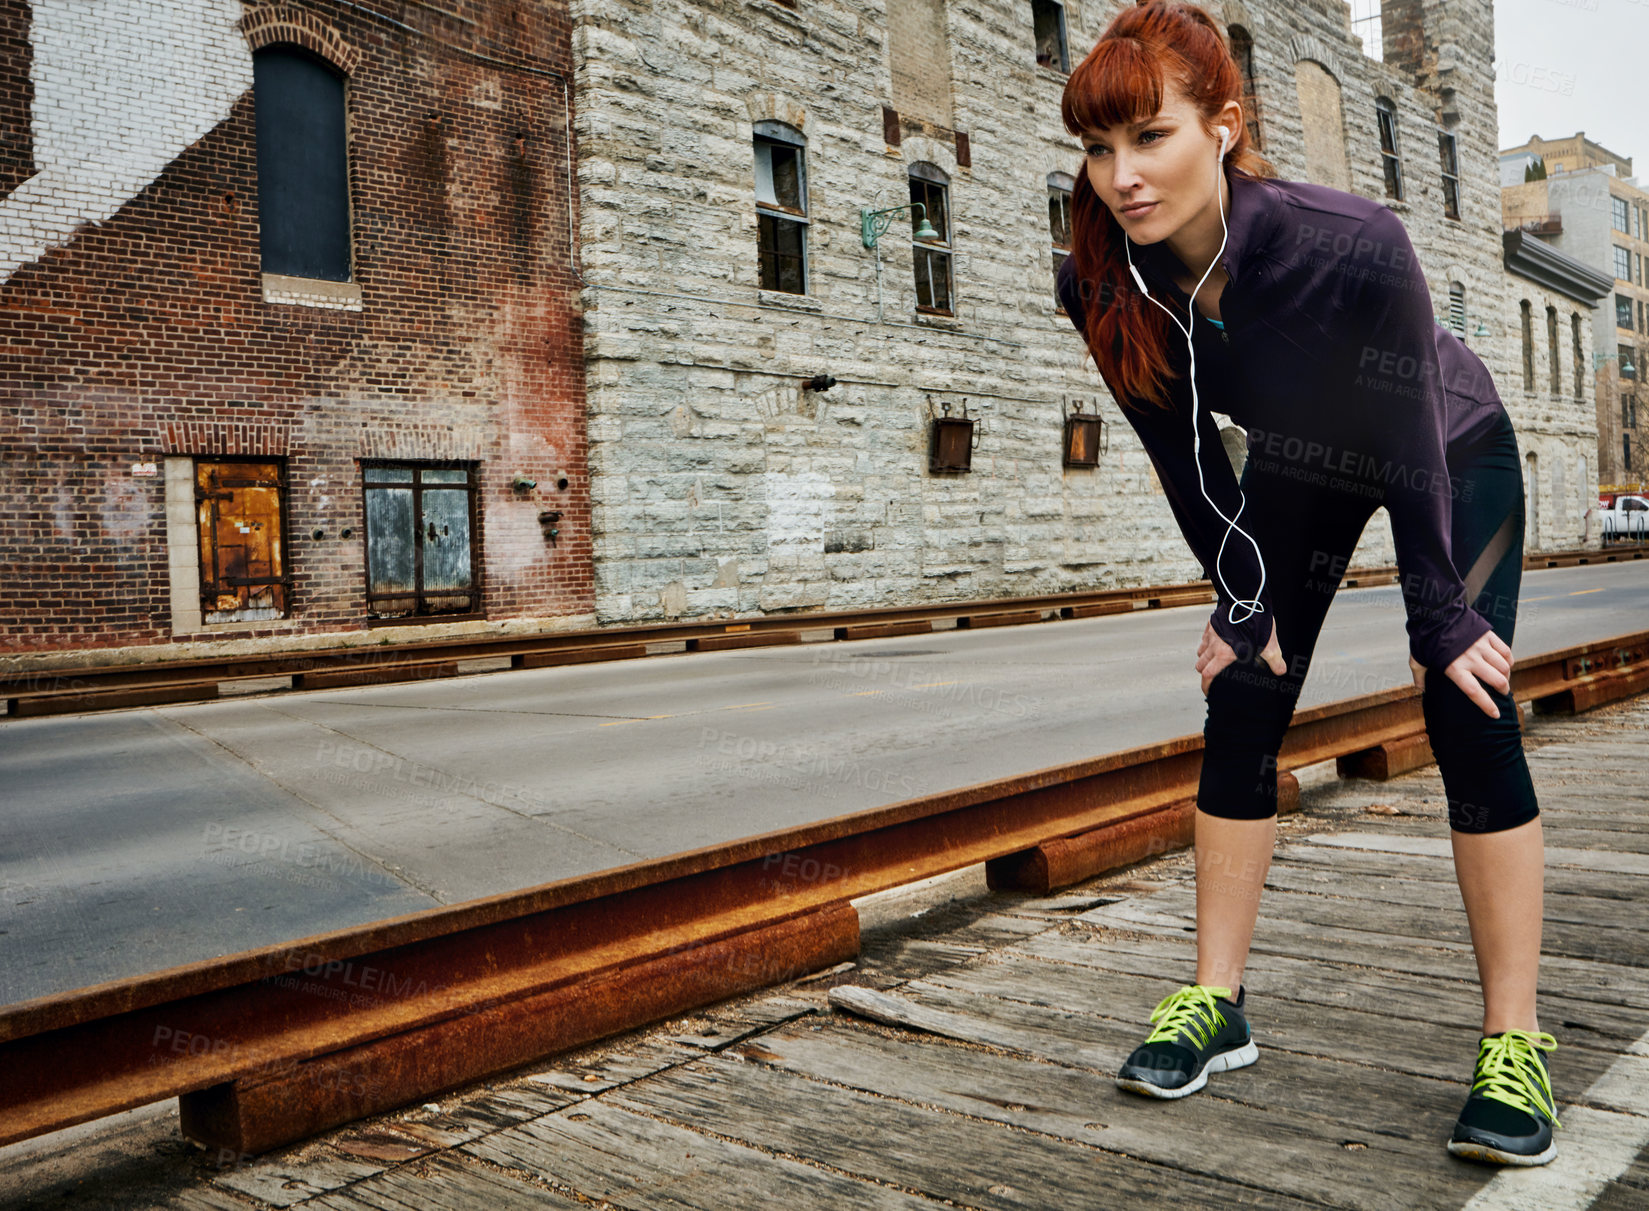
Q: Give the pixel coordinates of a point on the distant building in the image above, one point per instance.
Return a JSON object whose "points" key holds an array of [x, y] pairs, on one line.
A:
{"points": [[1596, 214], [286, 311]]}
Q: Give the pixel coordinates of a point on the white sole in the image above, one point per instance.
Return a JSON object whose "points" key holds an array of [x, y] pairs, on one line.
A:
{"points": [[1239, 1057], [1483, 1152]]}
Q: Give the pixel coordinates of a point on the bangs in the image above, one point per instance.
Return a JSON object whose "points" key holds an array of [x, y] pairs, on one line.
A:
{"points": [[1118, 84]]}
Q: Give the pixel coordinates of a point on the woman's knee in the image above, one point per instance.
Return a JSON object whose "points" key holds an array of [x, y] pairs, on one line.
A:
{"points": [[1485, 773]]}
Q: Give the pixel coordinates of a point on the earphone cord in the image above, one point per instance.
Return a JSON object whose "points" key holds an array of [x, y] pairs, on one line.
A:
{"points": [[1252, 605]]}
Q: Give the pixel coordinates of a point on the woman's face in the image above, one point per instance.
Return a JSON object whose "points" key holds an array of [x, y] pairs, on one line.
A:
{"points": [[1168, 161]]}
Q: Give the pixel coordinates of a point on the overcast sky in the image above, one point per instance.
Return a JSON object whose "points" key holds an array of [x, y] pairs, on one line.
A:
{"points": [[1563, 66]]}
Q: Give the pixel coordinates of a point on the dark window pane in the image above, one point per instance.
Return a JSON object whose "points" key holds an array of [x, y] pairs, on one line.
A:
{"points": [[780, 249], [787, 176], [303, 173]]}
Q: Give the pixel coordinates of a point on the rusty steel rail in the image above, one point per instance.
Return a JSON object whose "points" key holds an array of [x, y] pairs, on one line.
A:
{"points": [[275, 1044], [66, 689]]}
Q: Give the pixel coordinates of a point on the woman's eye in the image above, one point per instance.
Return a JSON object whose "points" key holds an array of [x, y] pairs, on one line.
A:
{"points": [[1155, 136]]}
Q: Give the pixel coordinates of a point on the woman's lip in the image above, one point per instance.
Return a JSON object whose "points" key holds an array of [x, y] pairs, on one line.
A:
{"points": [[1143, 208]]}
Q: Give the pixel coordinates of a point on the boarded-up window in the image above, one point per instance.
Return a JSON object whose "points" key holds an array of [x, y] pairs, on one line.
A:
{"points": [[918, 51], [420, 557], [1325, 129], [303, 165], [239, 506]]}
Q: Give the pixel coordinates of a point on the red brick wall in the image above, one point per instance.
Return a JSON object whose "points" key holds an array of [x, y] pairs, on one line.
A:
{"points": [[148, 336]]}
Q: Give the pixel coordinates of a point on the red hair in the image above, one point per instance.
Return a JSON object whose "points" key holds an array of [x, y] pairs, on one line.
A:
{"points": [[1124, 80]]}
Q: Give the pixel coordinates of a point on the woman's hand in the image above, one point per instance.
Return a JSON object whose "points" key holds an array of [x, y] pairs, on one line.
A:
{"points": [[1213, 654], [1488, 661]]}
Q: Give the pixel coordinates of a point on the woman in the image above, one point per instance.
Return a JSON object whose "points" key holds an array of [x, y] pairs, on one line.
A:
{"points": [[1311, 326]]}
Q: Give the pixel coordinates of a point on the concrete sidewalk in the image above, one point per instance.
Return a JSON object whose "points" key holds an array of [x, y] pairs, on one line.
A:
{"points": [[984, 1079]]}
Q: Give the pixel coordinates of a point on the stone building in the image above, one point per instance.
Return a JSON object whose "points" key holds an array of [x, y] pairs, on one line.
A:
{"points": [[1589, 206], [287, 323], [762, 382]]}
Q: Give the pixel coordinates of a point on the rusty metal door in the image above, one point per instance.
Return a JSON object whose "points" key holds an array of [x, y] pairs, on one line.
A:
{"points": [[239, 511], [419, 553]]}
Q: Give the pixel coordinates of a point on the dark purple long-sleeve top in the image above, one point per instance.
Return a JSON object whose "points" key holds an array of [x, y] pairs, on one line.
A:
{"points": [[1331, 359]]}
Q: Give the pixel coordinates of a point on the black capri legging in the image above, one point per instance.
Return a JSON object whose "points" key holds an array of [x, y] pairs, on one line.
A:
{"points": [[1307, 533]]}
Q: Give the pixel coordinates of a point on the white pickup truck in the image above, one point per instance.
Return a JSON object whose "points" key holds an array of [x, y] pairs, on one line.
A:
{"points": [[1626, 520]]}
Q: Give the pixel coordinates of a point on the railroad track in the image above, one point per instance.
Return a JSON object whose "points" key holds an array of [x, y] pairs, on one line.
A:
{"points": [[273, 1045], [66, 690]]}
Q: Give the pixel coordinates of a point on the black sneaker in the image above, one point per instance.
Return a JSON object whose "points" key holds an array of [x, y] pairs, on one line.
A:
{"points": [[1509, 1116], [1199, 1030]]}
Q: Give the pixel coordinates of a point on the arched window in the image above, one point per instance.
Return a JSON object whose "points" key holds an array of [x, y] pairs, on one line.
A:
{"points": [[303, 165], [1242, 50], [1457, 309], [1060, 185], [1448, 153], [1576, 349], [1551, 345], [1385, 115], [1322, 115], [1528, 345], [930, 187], [781, 206]]}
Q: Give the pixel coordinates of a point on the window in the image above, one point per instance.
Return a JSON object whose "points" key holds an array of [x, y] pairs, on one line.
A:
{"points": [[1629, 411], [1623, 263], [1366, 24], [1048, 20], [781, 207], [1551, 349], [1059, 223], [1618, 214], [239, 509], [1449, 153], [1385, 114], [1627, 368], [303, 165], [1626, 451], [1242, 50], [1457, 309], [1623, 311], [420, 559], [1528, 346], [929, 188], [1577, 349]]}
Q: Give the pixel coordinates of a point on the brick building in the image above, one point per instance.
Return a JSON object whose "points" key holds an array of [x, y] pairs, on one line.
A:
{"points": [[289, 335], [727, 152]]}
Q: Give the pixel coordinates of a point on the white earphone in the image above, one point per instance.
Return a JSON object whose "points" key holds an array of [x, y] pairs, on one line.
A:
{"points": [[1251, 605]]}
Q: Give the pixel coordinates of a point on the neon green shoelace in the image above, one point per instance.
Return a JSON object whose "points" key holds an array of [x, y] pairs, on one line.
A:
{"points": [[1190, 1011], [1508, 1071]]}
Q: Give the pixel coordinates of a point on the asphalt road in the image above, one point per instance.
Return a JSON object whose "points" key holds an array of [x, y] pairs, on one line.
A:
{"points": [[138, 840]]}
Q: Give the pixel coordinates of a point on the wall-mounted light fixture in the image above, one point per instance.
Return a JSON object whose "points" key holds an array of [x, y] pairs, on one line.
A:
{"points": [[819, 382], [1085, 435], [873, 224], [951, 439], [1625, 359]]}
